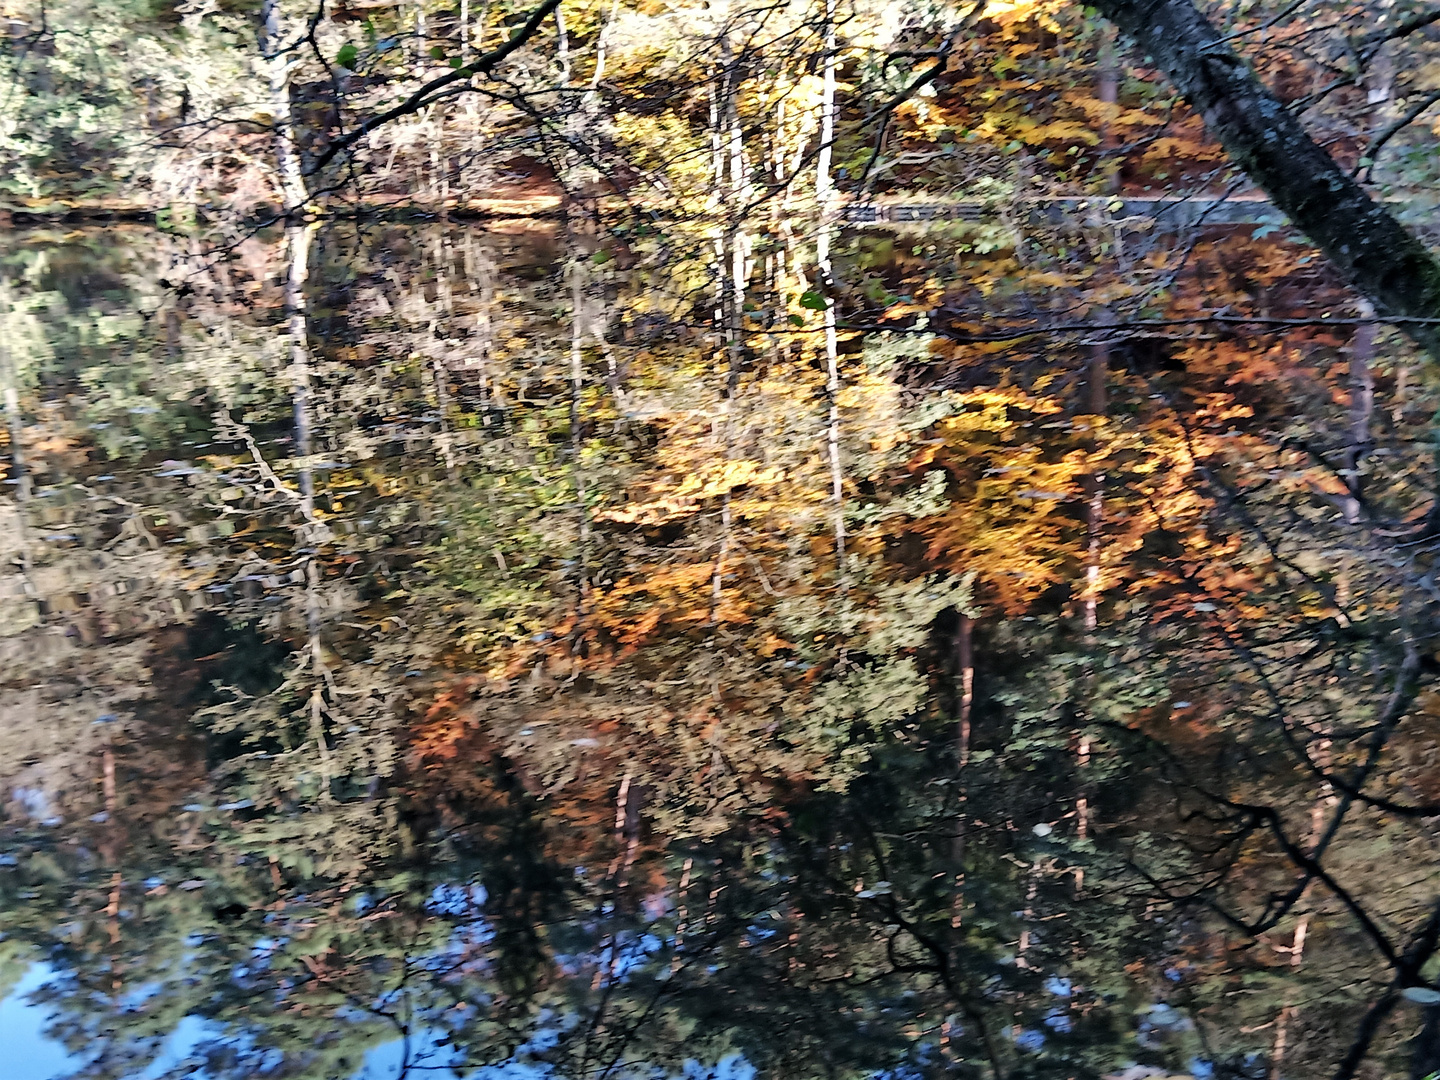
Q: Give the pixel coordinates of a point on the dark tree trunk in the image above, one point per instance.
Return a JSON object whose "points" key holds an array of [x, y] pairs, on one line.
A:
{"points": [[1373, 250]]}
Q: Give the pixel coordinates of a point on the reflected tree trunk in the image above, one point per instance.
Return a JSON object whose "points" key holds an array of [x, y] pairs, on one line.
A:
{"points": [[582, 223], [1096, 405], [1107, 90], [439, 369], [1362, 409], [1296, 948], [313, 531], [965, 699], [110, 849], [299, 241], [731, 259], [15, 421], [578, 319]]}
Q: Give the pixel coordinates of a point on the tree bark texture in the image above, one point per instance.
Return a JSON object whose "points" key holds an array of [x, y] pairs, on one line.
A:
{"points": [[1378, 255]]}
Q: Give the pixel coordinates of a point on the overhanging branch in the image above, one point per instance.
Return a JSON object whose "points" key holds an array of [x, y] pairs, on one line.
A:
{"points": [[1378, 255], [433, 89]]}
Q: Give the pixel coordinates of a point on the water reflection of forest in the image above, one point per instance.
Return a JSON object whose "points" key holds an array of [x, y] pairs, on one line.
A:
{"points": [[487, 669]]}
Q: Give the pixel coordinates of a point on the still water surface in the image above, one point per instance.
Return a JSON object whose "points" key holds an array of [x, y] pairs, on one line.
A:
{"points": [[302, 775]]}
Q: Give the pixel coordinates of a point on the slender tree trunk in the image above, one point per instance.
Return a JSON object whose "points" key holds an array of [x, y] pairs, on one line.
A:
{"points": [[1296, 948], [577, 439], [439, 369], [320, 707], [682, 913], [299, 238], [313, 531], [15, 420], [439, 164], [110, 851], [1027, 916], [1289, 1009], [1095, 482], [965, 679], [732, 269], [1382, 259], [277, 68], [1096, 405], [1362, 409], [581, 221], [602, 51], [622, 817], [562, 46], [298, 241], [825, 196], [1107, 89], [965, 700]]}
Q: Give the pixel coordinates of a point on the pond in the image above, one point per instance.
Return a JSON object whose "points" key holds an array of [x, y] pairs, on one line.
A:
{"points": [[457, 674]]}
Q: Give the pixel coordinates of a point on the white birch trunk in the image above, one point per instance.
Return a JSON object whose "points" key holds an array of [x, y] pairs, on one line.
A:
{"points": [[827, 202], [277, 68]]}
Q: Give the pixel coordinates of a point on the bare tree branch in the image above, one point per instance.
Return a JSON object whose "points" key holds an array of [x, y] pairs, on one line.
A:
{"points": [[1405, 29], [432, 89], [1378, 143], [1361, 239]]}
